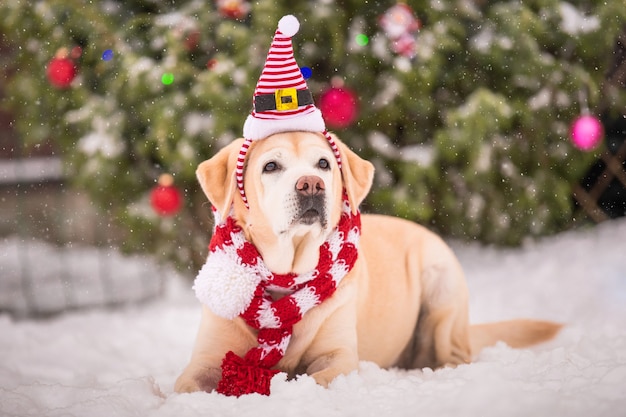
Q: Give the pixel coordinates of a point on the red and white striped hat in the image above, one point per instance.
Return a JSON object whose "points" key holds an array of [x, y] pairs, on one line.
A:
{"points": [[282, 101]]}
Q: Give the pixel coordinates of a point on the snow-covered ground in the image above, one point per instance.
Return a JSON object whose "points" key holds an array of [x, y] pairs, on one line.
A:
{"points": [[124, 362]]}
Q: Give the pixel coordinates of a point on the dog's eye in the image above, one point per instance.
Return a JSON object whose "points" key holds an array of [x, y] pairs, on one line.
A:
{"points": [[271, 167], [323, 164]]}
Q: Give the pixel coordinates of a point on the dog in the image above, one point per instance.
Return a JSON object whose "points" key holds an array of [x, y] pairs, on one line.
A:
{"points": [[404, 303]]}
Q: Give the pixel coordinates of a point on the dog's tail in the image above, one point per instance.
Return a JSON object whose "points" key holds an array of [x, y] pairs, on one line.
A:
{"points": [[515, 333]]}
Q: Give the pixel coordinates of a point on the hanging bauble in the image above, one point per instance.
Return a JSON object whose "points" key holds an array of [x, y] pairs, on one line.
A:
{"points": [[61, 70], [339, 107], [586, 132], [192, 40], [233, 9], [399, 20], [211, 63], [401, 26], [165, 198], [76, 52], [405, 45]]}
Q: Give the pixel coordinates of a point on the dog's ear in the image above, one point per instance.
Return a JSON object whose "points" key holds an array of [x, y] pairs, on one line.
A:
{"points": [[217, 177], [357, 174]]}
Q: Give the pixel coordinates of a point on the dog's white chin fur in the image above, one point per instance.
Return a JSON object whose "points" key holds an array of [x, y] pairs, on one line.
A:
{"points": [[296, 249]]}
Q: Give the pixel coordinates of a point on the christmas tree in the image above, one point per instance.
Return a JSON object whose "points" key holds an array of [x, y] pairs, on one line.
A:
{"points": [[464, 107]]}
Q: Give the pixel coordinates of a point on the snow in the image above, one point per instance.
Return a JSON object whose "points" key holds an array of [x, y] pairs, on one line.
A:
{"points": [[197, 123], [485, 39], [99, 142], [541, 100], [123, 362], [574, 22], [421, 154]]}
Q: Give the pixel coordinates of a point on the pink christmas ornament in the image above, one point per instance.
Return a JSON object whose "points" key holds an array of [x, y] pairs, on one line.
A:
{"points": [[586, 132]]}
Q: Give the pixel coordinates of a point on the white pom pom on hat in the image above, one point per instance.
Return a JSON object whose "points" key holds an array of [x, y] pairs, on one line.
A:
{"points": [[288, 25]]}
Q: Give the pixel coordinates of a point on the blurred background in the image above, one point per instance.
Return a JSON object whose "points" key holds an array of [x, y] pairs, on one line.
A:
{"points": [[488, 121]]}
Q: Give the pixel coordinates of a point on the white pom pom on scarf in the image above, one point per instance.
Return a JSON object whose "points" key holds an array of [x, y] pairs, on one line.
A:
{"points": [[225, 285]]}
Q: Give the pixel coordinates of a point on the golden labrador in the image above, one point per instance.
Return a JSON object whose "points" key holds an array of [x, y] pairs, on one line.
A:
{"points": [[405, 302]]}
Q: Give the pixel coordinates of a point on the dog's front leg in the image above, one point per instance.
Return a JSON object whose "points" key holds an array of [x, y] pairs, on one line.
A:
{"points": [[334, 350], [198, 377], [216, 336]]}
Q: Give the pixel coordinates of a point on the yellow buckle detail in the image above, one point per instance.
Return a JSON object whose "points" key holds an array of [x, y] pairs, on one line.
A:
{"points": [[286, 99]]}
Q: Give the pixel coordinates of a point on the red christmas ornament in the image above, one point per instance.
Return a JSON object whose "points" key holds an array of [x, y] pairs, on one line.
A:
{"points": [[192, 40], [76, 52], [339, 107], [165, 198], [61, 71], [233, 9], [211, 63]]}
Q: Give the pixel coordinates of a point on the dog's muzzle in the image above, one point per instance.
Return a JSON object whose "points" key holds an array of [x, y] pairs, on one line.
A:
{"points": [[311, 196]]}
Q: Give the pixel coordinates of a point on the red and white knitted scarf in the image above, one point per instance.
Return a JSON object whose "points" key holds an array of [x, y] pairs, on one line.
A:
{"points": [[235, 281]]}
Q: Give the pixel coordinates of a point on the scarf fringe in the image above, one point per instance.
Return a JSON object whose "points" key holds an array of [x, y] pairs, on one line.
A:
{"points": [[240, 377]]}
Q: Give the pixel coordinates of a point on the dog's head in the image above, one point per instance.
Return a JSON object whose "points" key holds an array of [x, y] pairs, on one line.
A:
{"points": [[294, 188]]}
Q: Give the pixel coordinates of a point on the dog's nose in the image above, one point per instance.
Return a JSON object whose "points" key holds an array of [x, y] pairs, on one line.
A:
{"points": [[310, 185]]}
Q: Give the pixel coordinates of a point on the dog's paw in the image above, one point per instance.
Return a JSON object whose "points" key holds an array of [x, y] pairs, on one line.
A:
{"points": [[327, 367], [203, 380], [186, 385], [326, 376]]}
